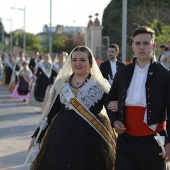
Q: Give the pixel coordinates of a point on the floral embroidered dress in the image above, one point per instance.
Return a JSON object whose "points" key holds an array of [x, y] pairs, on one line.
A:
{"points": [[71, 143]]}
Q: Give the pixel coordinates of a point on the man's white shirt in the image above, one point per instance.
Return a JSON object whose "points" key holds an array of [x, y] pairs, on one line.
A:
{"points": [[136, 93], [113, 68]]}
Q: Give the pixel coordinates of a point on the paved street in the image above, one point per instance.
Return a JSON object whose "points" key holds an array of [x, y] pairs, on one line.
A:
{"points": [[18, 121]]}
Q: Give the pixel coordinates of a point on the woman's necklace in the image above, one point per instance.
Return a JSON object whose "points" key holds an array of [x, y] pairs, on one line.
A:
{"points": [[78, 84], [76, 89]]}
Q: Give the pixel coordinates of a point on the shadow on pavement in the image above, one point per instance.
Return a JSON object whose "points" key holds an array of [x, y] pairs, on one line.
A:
{"points": [[17, 130], [18, 116], [9, 162]]}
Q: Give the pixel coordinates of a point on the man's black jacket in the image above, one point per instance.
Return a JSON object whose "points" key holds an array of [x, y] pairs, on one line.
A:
{"points": [[157, 93]]}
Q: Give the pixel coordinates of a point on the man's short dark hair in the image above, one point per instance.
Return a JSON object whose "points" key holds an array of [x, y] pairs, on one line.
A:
{"points": [[21, 52], [162, 46], [166, 49], [36, 52], [114, 46], [142, 30], [60, 53]]}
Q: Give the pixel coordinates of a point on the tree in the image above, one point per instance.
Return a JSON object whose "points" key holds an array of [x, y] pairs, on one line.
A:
{"points": [[32, 42], [162, 35], [65, 43], [58, 43], [138, 13], [72, 43]]}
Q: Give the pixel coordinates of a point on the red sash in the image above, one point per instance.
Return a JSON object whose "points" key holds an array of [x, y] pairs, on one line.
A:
{"points": [[134, 122]]}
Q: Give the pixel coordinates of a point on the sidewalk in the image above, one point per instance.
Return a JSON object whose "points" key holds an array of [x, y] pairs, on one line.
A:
{"points": [[18, 121]]}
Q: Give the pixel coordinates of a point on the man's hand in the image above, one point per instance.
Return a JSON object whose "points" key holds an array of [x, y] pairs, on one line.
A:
{"points": [[166, 156], [119, 127], [113, 106]]}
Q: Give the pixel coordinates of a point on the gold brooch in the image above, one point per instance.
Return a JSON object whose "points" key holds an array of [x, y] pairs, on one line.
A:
{"points": [[150, 73]]}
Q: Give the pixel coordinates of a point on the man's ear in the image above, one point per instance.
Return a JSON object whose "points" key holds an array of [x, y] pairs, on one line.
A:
{"points": [[132, 46]]}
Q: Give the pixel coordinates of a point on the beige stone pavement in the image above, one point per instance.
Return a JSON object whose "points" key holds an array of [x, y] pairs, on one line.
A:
{"points": [[18, 121]]}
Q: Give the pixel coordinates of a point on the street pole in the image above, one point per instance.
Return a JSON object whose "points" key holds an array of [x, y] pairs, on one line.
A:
{"points": [[10, 35], [124, 29], [24, 37], [24, 31], [2, 33], [50, 33]]}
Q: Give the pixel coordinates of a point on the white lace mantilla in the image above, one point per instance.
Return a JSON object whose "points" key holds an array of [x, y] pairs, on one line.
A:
{"points": [[89, 93]]}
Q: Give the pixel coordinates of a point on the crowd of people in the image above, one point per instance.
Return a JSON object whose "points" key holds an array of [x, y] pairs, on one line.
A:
{"points": [[28, 78], [112, 117], [164, 57]]}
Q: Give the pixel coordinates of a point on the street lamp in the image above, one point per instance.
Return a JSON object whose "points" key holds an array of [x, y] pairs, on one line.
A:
{"points": [[2, 33], [24, 37], [124, 29], [50, 33], [10, 20]]}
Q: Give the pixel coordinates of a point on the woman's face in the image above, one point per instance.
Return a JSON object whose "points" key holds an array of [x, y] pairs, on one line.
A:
{"points": [[21, 56], [24, 66], [10, 57], [80, 63], [46, 58], [60, 58]]}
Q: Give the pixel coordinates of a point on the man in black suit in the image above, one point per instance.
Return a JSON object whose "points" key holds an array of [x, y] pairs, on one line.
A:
{"points": [[34, 61], [111, 66], [142, 90]]}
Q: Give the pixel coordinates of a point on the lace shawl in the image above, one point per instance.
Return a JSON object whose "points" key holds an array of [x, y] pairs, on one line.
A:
{"points": [[89, 93]]}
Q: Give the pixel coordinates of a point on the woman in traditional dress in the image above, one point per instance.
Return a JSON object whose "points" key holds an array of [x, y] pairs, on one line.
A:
{"points": [[77, 138], [54, 72], [1, 68], [16, 69], [56, 67], [20, 61], [21, 90], [41, 81], [8, 69]]}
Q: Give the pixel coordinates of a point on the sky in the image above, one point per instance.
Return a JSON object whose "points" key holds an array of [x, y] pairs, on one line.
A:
{"points": [[37, 12]]}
